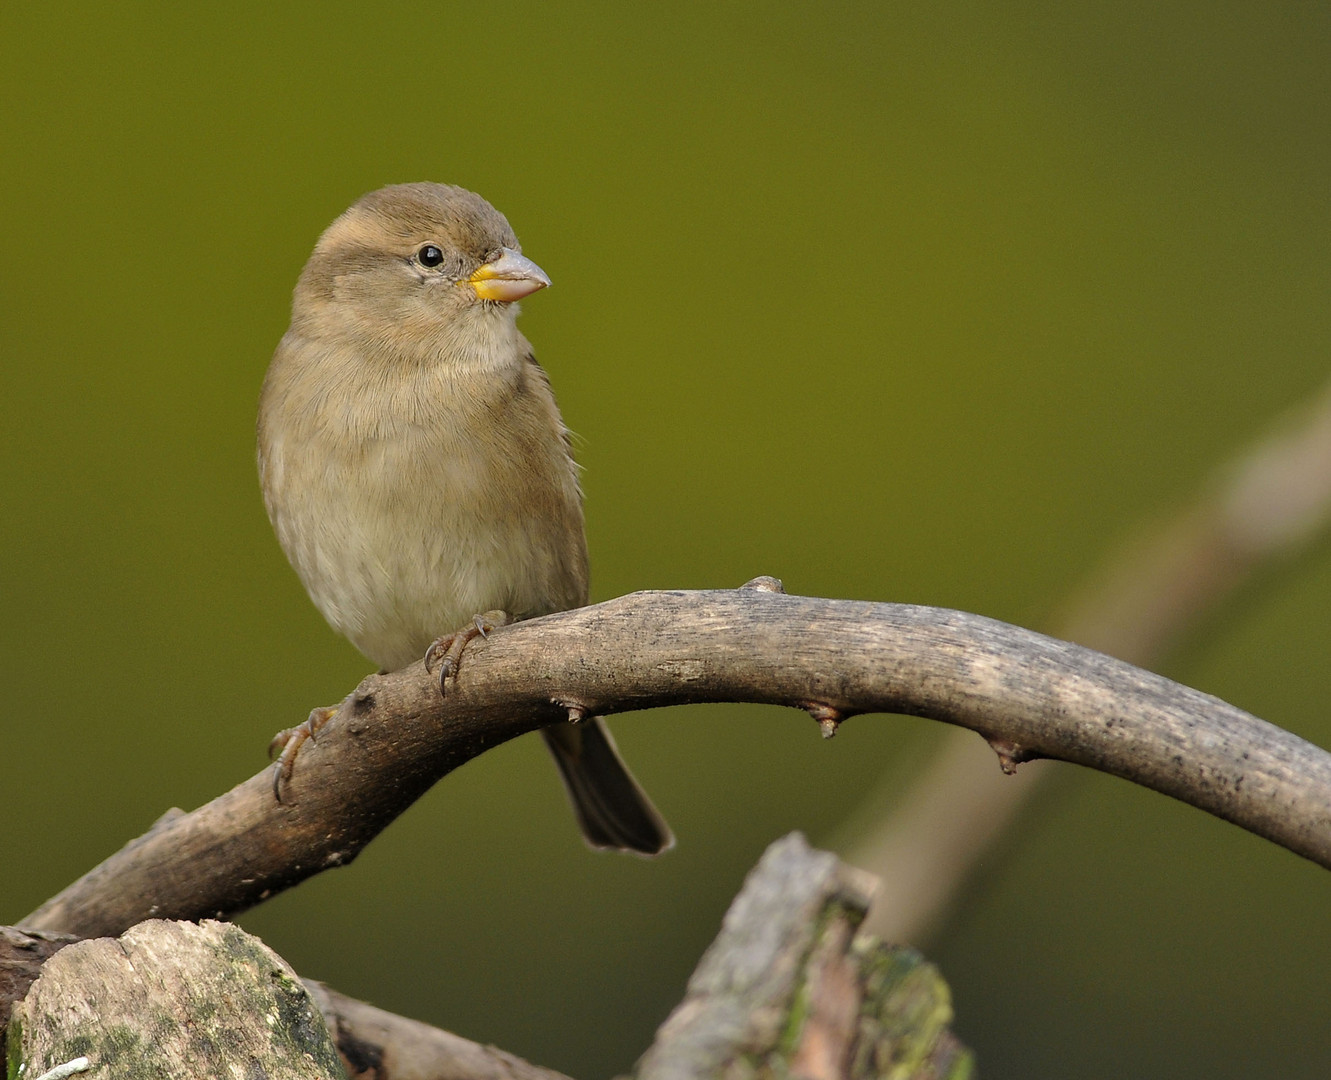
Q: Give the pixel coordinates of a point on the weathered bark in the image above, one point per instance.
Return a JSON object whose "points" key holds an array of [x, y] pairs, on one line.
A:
{"points": [[786, 989], [1029, 695], [22, 955], [373, 1044], [172, 999], [379, 1045]]}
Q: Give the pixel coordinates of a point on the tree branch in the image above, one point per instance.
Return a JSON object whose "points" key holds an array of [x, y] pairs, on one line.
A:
{"points": [[1029, 695], [789, 989], [373, 1044], [786, 989], [379, 1045], [1269, 504], [171, 999]]}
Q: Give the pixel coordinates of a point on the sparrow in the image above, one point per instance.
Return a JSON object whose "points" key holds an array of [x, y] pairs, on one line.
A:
{"points": [[417, 471]]}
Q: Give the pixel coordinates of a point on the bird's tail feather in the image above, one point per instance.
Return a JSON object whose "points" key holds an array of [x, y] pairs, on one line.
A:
{"points": [[613, 811]]}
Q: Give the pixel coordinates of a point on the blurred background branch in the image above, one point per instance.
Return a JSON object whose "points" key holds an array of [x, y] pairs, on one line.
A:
{"points": [[1254, 514]]}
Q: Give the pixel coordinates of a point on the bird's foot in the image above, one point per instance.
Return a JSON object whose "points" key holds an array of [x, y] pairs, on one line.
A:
{"points": [[447, 651], [286, 745]]}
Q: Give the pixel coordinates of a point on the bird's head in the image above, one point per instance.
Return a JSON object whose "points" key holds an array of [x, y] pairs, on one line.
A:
{"points": [[415, 263]]}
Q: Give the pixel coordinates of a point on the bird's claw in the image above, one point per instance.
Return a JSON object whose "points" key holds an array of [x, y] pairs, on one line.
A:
{"points": [[286, 745], [447, 651]]}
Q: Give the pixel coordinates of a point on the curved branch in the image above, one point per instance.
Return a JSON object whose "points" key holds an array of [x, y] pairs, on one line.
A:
{"points": [[1268, 505], [1029, 695]]}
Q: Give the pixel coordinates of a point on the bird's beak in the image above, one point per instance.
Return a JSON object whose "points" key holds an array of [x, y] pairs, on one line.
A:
{"points": [[509, 277]]}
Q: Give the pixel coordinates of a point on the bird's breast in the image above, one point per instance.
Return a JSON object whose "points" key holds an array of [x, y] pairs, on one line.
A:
{"points": [[404, 514]]}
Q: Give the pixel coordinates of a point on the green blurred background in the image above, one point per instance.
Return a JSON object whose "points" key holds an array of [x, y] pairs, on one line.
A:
{"points": [[919, 302]]}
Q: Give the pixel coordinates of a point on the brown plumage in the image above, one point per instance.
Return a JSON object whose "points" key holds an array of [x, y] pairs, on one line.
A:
{"points": [[414, 463]]}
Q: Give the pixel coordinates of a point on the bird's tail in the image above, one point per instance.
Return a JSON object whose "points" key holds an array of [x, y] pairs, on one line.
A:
{"points": [[613, 811]]}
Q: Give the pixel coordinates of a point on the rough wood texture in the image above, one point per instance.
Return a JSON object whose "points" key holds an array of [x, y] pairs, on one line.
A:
{"points": [[21, 958], [172, 999], [373, 1044], [1027, 694], [787, 990], [379, 1045]]}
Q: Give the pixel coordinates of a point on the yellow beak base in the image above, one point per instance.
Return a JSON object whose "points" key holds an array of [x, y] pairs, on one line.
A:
{"points": [[507, 278]]}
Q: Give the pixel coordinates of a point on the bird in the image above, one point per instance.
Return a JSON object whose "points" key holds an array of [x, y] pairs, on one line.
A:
{"points": [[416, 468]]}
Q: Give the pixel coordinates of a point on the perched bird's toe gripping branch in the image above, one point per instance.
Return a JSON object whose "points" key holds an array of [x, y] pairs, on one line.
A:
{"points": [[447, 651]]}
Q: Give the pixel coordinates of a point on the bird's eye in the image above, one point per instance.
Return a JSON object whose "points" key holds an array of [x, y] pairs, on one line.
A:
{"points": [[430, 255]]}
